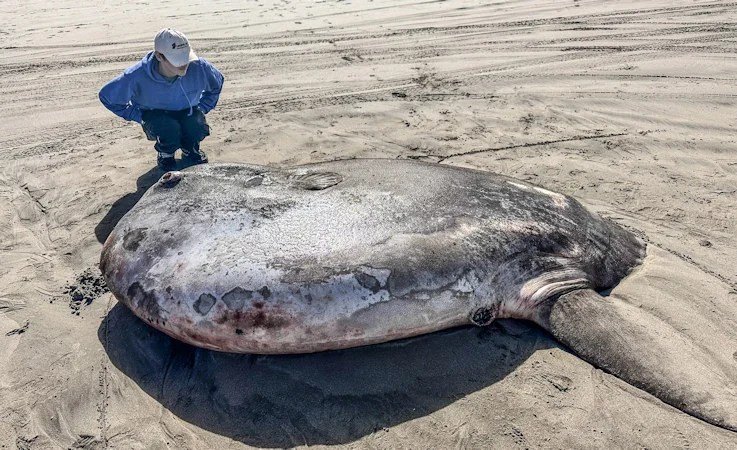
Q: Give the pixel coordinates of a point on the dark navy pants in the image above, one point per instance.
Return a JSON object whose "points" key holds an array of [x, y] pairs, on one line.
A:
{"points": [[173, 130]]}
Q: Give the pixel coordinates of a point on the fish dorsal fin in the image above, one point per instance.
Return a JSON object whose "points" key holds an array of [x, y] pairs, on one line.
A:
{"points": [[315, 181]]}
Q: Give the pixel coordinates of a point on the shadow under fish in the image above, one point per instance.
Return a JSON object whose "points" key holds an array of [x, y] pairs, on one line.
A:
{"points": [[326, 398]]}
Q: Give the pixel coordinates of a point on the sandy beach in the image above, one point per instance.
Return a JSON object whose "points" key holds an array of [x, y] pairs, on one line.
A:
{"points": [[627, 106]]}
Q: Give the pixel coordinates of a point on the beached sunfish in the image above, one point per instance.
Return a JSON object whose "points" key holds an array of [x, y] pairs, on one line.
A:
{"points": [[244, 258]]}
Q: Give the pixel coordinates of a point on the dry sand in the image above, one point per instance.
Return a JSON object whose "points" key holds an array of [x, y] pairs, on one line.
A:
{"points": [[629, 106]]}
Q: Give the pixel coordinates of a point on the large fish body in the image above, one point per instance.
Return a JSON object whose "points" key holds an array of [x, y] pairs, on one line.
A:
{"points": [[244, 258]]}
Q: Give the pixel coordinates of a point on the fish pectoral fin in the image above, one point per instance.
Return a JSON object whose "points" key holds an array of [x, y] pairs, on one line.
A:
{"points": [[646, 352]]}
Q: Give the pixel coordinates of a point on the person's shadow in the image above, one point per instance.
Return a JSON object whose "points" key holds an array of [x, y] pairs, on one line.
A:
{"points": [[125, 203], [128, 201], [324, 398]]}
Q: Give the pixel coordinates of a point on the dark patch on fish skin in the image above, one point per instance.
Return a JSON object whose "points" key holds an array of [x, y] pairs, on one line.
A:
{"points": [[554, 242], [265, 292], [236, 171], [238, 331], [262, 319], [236, 298], [204, 303], [258, 305], [144, 300], [484, 316], [132, 239], [368, 281], [253, 318], [273, 209], [228, 316]]}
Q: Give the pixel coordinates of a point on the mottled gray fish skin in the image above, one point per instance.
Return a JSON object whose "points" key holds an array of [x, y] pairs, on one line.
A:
{"points": [[244, 258]]}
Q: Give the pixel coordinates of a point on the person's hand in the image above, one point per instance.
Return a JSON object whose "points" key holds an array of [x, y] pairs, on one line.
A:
{"points": [[146, 128]]}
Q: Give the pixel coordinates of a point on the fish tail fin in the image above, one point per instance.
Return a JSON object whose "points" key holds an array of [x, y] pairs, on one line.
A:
{"points": [[646, 352]]}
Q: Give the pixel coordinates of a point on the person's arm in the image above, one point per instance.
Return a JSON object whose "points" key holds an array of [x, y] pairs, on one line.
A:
{"points": [[116, 96], [214, 86]]}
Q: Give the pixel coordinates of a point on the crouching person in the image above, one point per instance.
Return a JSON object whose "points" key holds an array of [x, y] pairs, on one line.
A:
{"points": [[168, 92]]}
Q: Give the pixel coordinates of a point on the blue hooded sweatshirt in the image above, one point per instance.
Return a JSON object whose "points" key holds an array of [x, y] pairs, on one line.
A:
{"points": [[141, 87]]}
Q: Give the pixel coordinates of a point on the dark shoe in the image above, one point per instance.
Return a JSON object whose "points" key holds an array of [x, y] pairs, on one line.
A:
{"points": [[194, 157], [166, 164]]}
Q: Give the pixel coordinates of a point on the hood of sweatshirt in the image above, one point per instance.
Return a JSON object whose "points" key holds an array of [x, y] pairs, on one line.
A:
{"points": [[150, 66]]}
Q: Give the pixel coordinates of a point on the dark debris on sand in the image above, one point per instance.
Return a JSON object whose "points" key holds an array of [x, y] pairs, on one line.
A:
{"points": [[88, 286], [20, 330]]}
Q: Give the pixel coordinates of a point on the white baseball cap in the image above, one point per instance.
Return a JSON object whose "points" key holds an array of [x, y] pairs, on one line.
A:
{"points": [[174, 46]]}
